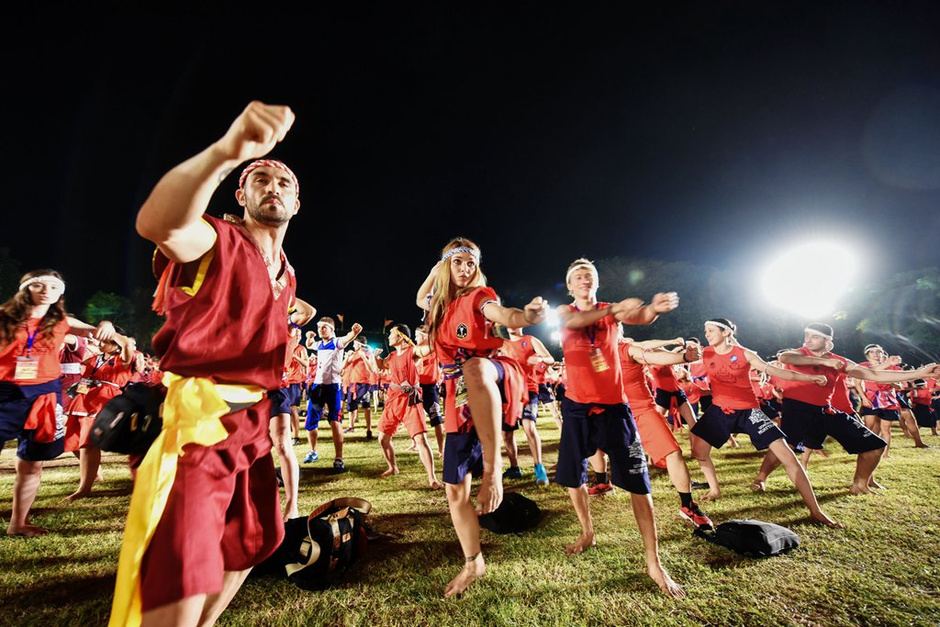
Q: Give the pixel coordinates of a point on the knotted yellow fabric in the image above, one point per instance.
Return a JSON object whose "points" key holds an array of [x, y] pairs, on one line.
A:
{"points": [[191, 415]]}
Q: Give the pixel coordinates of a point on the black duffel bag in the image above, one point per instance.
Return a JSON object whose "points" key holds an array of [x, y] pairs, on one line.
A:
{"points": [[515, 514], [129, 423], [318, 548], [753, 538]]}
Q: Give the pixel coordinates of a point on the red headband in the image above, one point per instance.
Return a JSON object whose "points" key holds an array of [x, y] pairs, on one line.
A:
{"points": [[267, 163]]}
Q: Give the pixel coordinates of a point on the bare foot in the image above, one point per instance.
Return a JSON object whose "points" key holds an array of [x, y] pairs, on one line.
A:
{"points": [[829, 522], [471, 572], [861, 489], [412, 448], [584, 542], [27, 530], [713, 495], [874, 485], [78, 494], [734, 443], [921, 445], [758, 486], [434, 484], [388, 473], [669, 587]]}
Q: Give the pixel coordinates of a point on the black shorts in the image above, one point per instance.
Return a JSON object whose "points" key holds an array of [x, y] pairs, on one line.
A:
{"points": [[716, 427], [891, 415], [810, 424], [664, 398], [545, 394], [431, 400], [925, 416], [358, 394], [610, 428]]}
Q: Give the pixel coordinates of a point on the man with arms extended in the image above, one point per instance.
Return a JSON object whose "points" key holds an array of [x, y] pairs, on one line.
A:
{"points": [[205, 502]]}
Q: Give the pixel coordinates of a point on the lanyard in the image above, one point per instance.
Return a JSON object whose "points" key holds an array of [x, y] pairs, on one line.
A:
{"points": [[590, 330], [31, 337]]}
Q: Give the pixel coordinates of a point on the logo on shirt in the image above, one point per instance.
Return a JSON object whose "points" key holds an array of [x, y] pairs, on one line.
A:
{"points": [[462, 331]]}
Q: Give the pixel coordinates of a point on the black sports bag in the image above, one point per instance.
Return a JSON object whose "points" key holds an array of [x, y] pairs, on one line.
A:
{"points": [[753, 538]]}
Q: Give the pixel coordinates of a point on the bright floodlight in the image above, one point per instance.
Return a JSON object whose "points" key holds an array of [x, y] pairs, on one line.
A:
{"points": [[809, 279], [551, 318], [556, 337]]}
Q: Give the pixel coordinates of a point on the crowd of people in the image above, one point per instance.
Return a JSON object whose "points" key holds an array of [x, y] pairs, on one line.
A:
{"points": [[239, 374]]}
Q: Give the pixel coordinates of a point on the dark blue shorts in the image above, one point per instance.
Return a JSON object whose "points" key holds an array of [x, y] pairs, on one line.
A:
{"points": [[903, 402], [716, 427], [15, 404], [810, 424], [891, 415], [530, 411], [610, 428], [545, 394], [925, 416], [560, 392], [664, 398], [323, 395], [285, 398], [463, 454], [359, 394], [770, 409], [431, 400]]}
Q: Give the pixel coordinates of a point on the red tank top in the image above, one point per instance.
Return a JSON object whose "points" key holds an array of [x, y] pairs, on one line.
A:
{"points": [[634, 381], [519, 351], [585, 384], [45, 349], [809, 392], [232, 328], [729, 377]]}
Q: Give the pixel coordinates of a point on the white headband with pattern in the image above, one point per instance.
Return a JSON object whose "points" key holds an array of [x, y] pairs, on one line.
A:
{"points": [[44, 277], [461, 249], [720, 325]]}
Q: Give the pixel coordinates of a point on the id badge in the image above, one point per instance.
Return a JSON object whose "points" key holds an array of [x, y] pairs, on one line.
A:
{"points": [[72, 368], [597, 360], [460, 398], [27, 368], [83, 386]]}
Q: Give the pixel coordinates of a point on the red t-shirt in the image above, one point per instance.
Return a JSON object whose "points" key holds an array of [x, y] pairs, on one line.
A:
{"points": [[232, 328], [429, 370], [585, 384], [358, 371], [45, 349], [295, 369], [881, 395], [729, 375], [664, 378]]}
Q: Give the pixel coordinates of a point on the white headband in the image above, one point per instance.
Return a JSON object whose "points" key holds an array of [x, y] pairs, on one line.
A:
{"points": [[720, 325], [332, 326], [815, 332], [461, 249], [573, 269], [44, 277]]}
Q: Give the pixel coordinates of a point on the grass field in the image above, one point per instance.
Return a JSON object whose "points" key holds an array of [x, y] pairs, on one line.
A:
{"points": [[883, 569]]}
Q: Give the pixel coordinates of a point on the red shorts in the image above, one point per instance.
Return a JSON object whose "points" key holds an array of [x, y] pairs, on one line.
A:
{"points": [[222, 513], [656, 436], [397, 411]]}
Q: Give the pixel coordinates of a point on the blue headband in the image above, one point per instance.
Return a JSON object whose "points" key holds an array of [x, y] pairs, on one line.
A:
{"points": [[461, 249]]}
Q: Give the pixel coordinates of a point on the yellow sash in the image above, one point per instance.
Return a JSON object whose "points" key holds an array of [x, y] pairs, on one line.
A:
{"points": [[191, 415]]}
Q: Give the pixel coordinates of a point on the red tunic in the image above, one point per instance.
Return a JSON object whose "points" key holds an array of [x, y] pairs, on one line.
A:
{"points": [[232, 329], [729, 375], [111, 375], [463, 333], [45, 349], [585, 384], [634, 382], [520, 350]]}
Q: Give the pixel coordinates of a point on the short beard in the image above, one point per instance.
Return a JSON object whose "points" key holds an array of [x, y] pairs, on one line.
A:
{"points": [[278, 219]]}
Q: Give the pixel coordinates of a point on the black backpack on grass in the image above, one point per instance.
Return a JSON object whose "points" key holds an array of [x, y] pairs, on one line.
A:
{"points": [[515, 514], [131, 421], [752, 538], [318, 548]]}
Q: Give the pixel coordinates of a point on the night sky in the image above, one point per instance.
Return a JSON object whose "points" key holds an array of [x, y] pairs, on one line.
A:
{"points": [[709, 132]]}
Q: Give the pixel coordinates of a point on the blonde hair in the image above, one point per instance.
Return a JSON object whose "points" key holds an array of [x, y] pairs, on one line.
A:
{"points": [[443, 291]]}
